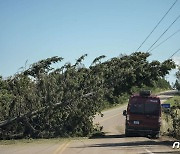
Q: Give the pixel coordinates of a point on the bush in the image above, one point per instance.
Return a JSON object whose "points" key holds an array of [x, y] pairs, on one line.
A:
{"points": [[173, 117]]}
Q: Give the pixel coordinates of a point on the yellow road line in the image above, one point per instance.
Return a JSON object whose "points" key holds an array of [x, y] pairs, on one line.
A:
{"points": [[66, 145], [61, 148], [148, 151], [110, 117]]}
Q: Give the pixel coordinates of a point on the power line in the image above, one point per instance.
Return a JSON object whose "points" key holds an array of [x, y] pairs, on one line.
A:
{"points": [[165, 40], [163, 33], [174, 53], [156, 26]]}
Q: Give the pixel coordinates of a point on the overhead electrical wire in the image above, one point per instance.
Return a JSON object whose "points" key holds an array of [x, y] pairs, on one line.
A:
{"points": [[163, 33], [156, 25], [174, 53], [165, 40]]}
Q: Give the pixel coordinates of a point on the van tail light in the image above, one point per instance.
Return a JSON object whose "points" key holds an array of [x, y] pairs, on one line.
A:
{"points": [[127, 118]]}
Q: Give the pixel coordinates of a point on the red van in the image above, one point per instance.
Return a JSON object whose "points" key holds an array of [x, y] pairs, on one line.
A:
{"points": [[143, 115]]}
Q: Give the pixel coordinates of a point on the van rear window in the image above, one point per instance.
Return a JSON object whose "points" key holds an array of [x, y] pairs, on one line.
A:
{"points": [[149, 107], [137, 108]]}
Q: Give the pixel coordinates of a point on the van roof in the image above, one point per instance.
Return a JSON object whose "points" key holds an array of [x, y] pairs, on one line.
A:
{"points": [[151, 96]]}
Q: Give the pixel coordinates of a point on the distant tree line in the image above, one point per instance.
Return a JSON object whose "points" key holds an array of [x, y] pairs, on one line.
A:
{"points": [[43, 102]]}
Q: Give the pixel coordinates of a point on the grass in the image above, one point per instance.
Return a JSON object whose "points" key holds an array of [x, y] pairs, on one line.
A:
{"points": [[167, 121], [114, 106], [158, 90], [39, 141], [166, 124], [173, 100], [34, 141]]}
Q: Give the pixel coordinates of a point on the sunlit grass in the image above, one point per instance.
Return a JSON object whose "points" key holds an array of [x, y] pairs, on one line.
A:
{"points": [[39, 141]]}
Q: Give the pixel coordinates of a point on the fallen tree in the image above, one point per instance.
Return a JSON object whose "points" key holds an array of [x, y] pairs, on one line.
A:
{"points": [[43, 102], [35, 113]]}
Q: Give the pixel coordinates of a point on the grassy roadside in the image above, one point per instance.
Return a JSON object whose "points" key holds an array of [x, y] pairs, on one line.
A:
{"points": [[171, 118], [173, 100], [159, 90], [39, 141], [32, 141]]}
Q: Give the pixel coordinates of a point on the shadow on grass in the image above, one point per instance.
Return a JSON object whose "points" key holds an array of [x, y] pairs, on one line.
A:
{"points": [[166, 98], [170, 93]]}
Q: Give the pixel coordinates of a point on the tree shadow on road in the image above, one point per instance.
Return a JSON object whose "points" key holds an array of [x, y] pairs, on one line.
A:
{"points": [[135, 143], [168, 152], [108, 136], [130, 145]]}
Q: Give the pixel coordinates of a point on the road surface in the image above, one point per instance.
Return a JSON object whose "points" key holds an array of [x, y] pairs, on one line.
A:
{"points": [[114, 142]]}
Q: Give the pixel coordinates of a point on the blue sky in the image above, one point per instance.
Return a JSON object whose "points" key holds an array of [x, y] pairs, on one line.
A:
{"points": [[36, 29]]}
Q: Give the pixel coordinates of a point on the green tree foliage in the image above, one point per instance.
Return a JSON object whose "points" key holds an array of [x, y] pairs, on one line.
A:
{"points": [[172, 117], [162, 84], [175, 116], [177, 83], [122, 74], [175, 110], [46, 102]]}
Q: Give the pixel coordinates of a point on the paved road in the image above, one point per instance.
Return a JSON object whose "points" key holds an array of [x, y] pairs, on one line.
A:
{"points": [[114, 141]]}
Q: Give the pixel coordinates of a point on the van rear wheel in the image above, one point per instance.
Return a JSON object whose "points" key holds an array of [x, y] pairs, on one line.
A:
{"points": [[127, 133], [155, 135]]}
